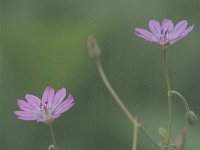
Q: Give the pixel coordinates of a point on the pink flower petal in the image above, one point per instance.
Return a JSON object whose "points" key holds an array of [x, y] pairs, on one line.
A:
{"points": [[187, 31], [167, 25], [145, 35], [26, 107], [56, 116], [34, 101], [25, 114], [183, 34], [155, 28], [26, 118], [65, 105], [63, 108], [59, 97], [48, 96], [179, 28]]}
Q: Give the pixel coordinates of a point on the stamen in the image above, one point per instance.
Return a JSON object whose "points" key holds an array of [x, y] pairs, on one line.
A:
{"points": [[46, 111], [41, 107]]}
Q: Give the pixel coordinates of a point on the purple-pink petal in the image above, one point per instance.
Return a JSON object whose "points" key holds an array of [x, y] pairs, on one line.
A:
{"points": [[25, 106], [64, 105], [63, 109], [26, 118], [179, 28], [68, 101], [48, 95], [59, 97], [145, 35], [25, 114], [188, 30], [155, 28], [56, 116], [167, 25], [183, 34], [34, 101]]}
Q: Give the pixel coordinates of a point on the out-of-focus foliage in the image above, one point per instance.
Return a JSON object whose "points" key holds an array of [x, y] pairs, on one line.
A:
{"points": [[44, 43]]}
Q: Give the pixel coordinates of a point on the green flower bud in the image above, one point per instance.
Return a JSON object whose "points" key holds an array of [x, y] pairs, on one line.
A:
{"points": [[163, 134], [191, 118], [51, 147], [94, 48]]}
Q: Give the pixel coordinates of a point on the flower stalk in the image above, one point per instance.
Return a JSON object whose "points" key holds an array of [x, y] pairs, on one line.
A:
{"points": [[190, 115], [135, 136], [169, 94], [187, 108], [52, 136]]}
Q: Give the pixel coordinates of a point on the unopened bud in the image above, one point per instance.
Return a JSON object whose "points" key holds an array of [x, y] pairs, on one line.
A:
{"points": [[163, 134], [51, 147], [191, 118], [93, 46]]}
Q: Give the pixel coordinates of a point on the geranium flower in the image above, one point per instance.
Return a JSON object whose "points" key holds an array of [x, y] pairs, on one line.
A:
{"points": [[165, 34], [47, 109]]}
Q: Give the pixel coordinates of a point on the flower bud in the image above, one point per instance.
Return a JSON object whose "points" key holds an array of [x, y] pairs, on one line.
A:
{"points": [[163, 134], [94, 48], [191, 118], [51, 147]]}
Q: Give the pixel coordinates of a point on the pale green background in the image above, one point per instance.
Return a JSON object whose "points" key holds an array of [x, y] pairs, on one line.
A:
{"points": [[43, 42]]}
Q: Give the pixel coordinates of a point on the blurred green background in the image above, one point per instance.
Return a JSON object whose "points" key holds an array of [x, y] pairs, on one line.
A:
{"points": [[43, 42]]}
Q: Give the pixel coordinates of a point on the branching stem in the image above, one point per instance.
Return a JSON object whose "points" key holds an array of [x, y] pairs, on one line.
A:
{"points": [[134, 121]]}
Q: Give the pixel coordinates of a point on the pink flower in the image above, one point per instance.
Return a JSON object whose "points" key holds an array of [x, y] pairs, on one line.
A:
{"points": [[46, 110], [165, 34]]}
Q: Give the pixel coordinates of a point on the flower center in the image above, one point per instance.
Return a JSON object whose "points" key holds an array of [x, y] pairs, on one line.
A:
{"points": [[163, 38], [47, 115]]}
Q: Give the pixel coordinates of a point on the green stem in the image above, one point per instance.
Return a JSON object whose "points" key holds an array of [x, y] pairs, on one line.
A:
{"points": [[135, 137], [169, 94], [52, 135], [183, 100], [166, 71], [113, 93], [122, 106]]}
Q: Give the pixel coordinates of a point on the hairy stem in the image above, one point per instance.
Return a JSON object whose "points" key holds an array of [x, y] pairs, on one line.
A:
{"points": [[123, 107], [169, 94], [114, 94], [52, 135]]}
